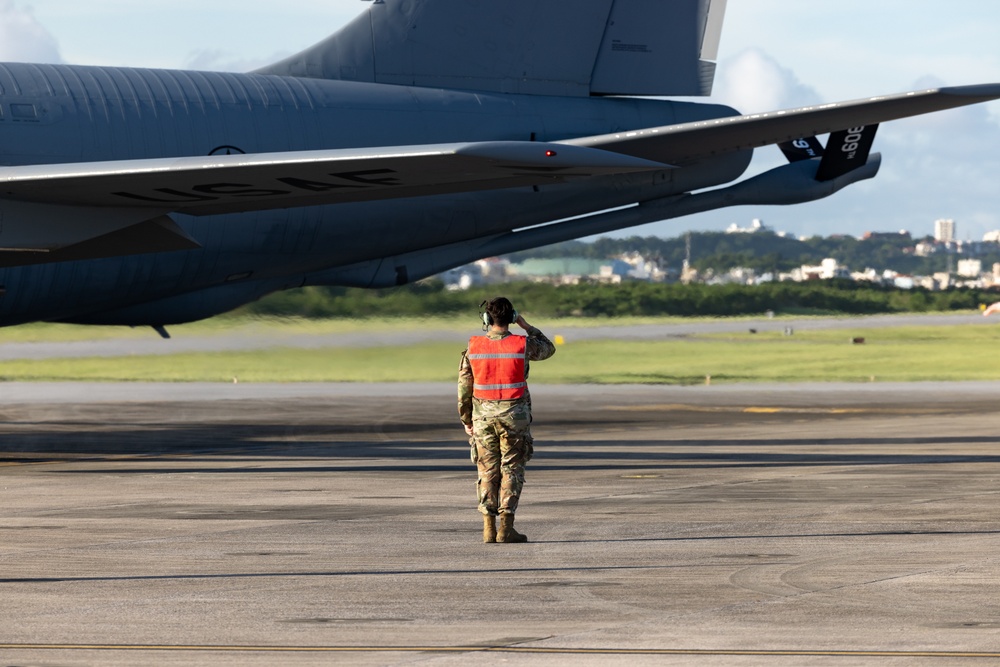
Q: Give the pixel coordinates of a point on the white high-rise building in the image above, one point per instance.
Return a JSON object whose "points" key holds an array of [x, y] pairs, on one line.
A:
{"points": [[944, 231]]}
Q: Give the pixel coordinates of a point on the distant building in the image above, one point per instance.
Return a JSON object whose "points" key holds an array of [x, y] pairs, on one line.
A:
{"points": [[944, 231], [927, 282], [494, 269], [827, 269], [756, 226], [571, 270], [868, 275], [739, 275], [970, 268], [875, 236], [462, 277], [992, 237], [642, 268], [483, 272], [904, 282]]}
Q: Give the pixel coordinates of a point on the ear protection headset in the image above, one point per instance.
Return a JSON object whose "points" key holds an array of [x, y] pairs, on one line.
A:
{"points": [[488, 320]]}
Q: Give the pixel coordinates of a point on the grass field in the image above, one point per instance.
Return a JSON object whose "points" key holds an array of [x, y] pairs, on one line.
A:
{"points": [[226, 325], [888, 354], [218, 326]]}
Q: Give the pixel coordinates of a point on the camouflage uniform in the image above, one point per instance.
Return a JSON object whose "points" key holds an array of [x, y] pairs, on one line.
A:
{"points": [[501, 440]]}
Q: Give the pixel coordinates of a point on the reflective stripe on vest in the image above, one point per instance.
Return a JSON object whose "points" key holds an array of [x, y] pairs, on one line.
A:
{"points": [[498, 367]]}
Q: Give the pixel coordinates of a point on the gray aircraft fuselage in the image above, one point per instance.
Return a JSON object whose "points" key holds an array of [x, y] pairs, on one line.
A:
{"points": [[68, 114]]}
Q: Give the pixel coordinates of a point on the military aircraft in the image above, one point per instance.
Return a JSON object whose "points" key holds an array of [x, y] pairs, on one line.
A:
{"points": [[423, 135]]}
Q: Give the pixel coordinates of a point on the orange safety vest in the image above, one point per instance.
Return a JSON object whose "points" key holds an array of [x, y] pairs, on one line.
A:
{"points": [[498, 367]]}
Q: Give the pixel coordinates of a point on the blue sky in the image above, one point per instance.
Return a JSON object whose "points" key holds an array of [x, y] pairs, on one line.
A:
{"points": [[774, 54]]}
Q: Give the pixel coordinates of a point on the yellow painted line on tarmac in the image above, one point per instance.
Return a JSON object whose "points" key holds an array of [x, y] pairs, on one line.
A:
{"points": [[824, 411], [771, 409], [505, 649]]}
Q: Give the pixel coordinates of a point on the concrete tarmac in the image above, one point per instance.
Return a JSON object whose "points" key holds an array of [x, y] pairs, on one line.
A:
{"points": [[319, 524]]}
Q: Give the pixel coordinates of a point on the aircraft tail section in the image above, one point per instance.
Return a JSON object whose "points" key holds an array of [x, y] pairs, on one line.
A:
{"points": [[544, 47], [651, 47], [806, 148], [846, 150]]}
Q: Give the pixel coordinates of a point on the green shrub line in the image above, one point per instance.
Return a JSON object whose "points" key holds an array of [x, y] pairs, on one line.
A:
{"points": [[627, 299]]}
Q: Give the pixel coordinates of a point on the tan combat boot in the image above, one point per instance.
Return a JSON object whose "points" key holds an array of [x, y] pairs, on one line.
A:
{"points": [[507, 532], [489, 528]]}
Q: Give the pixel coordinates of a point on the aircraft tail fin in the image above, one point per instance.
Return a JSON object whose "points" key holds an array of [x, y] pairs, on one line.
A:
{"points": [[572, 48]]}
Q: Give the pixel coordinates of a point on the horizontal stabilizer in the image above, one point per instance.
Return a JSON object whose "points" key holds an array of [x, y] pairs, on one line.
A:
{"points": [[686, 143], [50, 224], [158, 235]]}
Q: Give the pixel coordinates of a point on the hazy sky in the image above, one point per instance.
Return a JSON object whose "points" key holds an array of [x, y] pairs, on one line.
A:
{"points": [[775, 54]]}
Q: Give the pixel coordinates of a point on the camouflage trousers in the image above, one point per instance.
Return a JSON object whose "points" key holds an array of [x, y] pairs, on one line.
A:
{"points": [[501, 444]]}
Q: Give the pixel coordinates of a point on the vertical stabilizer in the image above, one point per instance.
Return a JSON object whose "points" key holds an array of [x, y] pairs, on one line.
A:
{"points": [[653, 47], [572, 48]]}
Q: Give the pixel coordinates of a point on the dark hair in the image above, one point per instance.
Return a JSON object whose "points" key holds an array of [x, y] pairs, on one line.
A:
{"points": [[501, 311]]}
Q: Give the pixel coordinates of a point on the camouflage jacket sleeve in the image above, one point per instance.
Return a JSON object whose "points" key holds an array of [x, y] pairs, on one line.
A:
{"points": [[539, 347], [465, 389]]}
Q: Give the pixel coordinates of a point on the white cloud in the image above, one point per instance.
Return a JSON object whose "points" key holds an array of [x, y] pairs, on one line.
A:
{"points": [[23, 38], [753, 81], [945, 165]]}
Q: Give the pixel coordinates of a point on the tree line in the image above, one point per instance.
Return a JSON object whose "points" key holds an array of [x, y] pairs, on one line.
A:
{"points": [[765, 251], [431, 298]]}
